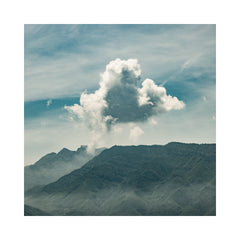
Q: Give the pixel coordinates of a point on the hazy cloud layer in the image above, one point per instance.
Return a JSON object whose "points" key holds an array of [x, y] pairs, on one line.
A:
{"points": [[120, 100]]}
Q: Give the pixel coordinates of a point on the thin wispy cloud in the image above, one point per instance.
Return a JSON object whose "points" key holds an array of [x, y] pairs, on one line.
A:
{"points": [[63, 60]]}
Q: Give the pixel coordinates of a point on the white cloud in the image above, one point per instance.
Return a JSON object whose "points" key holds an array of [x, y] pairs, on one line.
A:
{"points": [[156, 96], [49, 102], [120, 100], [135, 133], [117, 129], [153, 121]]}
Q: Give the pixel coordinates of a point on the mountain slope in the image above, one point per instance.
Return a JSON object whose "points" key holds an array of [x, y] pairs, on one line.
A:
{"points": [[175, 179], [31, 211], [54, 165]]}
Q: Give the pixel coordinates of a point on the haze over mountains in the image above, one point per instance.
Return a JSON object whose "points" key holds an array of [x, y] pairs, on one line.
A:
{"points": [[174, 179], [54, 165]]}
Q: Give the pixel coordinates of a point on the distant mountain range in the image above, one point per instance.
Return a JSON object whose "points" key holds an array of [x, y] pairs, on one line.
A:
{"points": [[174, 179], [55, 165]]}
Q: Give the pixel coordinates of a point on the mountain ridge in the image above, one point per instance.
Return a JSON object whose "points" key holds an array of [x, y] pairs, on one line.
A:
{"points": [[182, 175], [54, 165]]}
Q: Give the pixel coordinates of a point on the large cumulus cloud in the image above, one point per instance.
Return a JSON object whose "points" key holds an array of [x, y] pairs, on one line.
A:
{"points": [[119, 99]]}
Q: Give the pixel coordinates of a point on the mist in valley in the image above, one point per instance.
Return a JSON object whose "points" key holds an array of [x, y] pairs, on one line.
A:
{"points": [[53, 166], [162, 199]]}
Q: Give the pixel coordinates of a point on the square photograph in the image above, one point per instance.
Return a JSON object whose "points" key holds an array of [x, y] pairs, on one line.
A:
{"points": [[120, 120]]}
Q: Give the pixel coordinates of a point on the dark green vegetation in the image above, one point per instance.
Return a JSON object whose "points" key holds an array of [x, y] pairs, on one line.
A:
{"points": [[54, 165], [175, 179]]}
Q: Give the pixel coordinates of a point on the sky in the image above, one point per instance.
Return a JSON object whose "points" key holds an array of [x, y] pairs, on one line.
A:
{"points": [[104, 85]]}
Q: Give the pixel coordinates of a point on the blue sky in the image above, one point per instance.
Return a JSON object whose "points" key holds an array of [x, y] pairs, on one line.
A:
{"points": [[63, 61]]}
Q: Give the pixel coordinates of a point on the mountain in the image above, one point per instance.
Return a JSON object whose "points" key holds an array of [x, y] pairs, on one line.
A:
{"points": [[174, 179], [31, 211], [55, 165]]}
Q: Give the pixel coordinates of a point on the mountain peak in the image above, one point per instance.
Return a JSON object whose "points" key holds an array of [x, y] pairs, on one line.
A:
{"points": [[83, 148], [64, 150]]}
